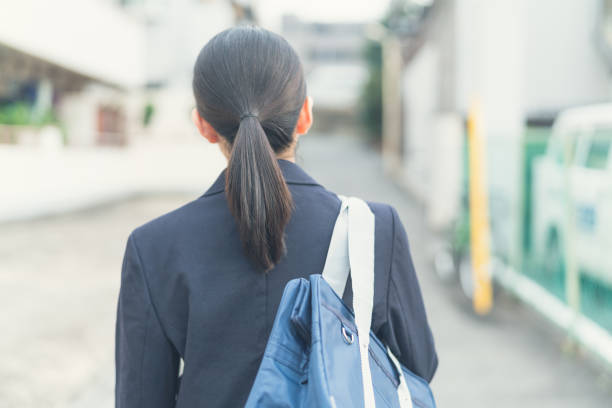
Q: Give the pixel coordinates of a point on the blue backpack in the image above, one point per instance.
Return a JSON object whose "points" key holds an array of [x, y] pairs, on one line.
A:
{"points": [[316, 355]]}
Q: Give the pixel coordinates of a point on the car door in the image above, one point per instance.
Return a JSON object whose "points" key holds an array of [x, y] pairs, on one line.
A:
{"points": [[549, 190], [590, 182]]}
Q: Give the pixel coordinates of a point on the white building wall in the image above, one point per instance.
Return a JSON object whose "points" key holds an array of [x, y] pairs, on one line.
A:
{"points": [[563, 65], [177, 33], [560, 66], [91, 37], [174, 43], [420, 103], [79, 112]]}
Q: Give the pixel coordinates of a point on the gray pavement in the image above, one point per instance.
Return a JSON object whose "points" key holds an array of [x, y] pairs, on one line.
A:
{"points": [[59, 279]]}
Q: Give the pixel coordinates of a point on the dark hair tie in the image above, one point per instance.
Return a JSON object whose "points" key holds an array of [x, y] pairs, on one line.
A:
{"points": [[248, 115]]}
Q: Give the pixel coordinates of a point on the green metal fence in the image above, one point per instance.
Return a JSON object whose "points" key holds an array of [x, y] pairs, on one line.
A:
{"points": [[563, 260], [567, 252]]}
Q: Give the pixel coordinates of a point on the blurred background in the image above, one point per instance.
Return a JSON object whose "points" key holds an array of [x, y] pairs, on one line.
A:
{"points": [[486, 123]]}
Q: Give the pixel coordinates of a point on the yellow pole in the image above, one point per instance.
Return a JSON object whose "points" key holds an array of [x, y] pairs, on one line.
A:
{"points": [[479, 214]]}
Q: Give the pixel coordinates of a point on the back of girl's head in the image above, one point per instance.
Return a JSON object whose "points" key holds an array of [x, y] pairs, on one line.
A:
{"points": [[249, 85]]}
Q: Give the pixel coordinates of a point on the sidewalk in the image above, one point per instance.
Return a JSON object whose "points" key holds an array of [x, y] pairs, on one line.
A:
{"points": [[512, 358]]}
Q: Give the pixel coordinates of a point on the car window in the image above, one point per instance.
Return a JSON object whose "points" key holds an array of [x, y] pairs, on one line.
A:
{"points": [[564, 144], [599, 149]]}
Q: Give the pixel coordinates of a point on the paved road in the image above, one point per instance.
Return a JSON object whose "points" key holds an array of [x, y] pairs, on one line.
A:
{"points": [[58, 286], [59, 279]]}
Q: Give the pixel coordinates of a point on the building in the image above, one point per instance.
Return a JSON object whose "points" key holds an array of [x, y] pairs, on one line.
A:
{"points": [[62, 65], [332, 57], [511, 64], [73, 71], [176, 31], [521, 60]]}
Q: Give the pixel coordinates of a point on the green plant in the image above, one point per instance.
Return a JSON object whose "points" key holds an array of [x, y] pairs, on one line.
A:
{"points": [[403, 17], [15, 114], [149, 110], [370, 103], [21, 114]]}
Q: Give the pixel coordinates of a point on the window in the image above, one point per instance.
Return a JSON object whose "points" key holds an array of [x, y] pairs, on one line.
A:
{"points": [[563, 147], [599, 149]]}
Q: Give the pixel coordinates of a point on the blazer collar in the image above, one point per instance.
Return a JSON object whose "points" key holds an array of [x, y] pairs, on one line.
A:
{"points": [[292, 173]]}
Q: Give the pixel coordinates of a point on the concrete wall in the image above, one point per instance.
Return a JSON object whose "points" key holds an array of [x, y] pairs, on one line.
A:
{"points": [[90, 37], [562, 64]]}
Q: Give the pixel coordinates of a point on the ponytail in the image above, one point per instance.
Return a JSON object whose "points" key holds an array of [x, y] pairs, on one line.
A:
{"points": [[257, 194], [250, 69]]}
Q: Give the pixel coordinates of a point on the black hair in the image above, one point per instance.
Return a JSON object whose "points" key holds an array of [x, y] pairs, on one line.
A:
{"points": [[249, 85]]}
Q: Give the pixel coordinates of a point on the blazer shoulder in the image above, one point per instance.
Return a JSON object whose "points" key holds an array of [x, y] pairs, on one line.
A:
{"points": [[384, 212], [171, 223], [388, 229], [384, 229]]}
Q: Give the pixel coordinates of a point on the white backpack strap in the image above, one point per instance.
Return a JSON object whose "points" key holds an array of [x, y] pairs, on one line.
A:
{"points": [[403, 393], [361, 260], [336, 269], [352, 249]]}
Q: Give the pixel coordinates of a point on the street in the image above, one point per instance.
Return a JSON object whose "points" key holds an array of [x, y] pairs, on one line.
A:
{"points": [[59, 279]]}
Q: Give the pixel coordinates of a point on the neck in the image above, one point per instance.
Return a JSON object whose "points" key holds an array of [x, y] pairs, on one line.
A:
{"points": [[287, 156]]}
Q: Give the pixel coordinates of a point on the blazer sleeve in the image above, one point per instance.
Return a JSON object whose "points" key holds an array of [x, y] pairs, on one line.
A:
{"points": [[407, 331], [145, 360]]}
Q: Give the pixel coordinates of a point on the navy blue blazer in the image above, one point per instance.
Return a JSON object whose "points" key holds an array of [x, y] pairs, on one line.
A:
{"points": [[188, 291]]}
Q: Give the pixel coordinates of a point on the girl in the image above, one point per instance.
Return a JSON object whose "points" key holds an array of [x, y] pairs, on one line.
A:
{"points": [[203, 282]]}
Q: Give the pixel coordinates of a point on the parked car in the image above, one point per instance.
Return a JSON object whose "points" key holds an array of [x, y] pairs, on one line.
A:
{"points": [[572, 193]]}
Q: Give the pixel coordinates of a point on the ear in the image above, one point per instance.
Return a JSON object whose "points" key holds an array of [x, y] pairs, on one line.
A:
{"points": [[204, 127], [305, 119]]}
